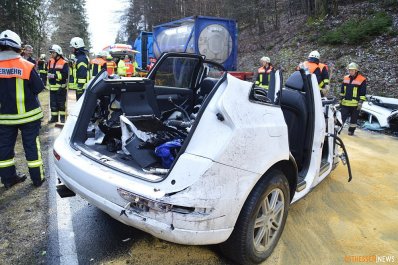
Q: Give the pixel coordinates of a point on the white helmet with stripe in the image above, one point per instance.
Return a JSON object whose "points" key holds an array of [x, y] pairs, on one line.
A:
{"points": [[56, 48], [10, 38]]}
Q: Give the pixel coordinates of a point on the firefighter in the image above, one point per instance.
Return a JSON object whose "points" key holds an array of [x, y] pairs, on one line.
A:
{"points": [[110, 65], [352, 95], [121, 68], [42, 67], [99, 63], [19, 110], [82, 65], [264, 72], [130, 69], [72, 72], [152, 61], [320, 70], [58, 71], [27, 53]]}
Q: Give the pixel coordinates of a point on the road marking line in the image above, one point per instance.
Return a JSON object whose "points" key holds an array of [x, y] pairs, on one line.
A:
{"points": [[66, 236]]}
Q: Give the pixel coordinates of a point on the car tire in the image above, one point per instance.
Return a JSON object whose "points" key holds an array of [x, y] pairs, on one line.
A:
{"points": [[263, 216]]}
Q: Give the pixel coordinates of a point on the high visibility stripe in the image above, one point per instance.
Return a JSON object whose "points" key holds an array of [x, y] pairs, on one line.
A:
{"points": [[81, 81], [20, 96], [349, 103], [59, 75], [22, 121], [7, 163], [321, 84], [42, 71], [355, 92], [54, 87], [20, 116], [54, 113], [326, 81], [81, 64], [35, 163], [39, 156], [62, 112], [363, 98]]}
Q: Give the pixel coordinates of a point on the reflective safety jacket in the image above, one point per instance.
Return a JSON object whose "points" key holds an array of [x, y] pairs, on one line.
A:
{"points": [[72, 76], [110, 67], [20, 84], [264, 76], [320, 70], [353, 90], [82, 70], [129, 68], [121, 68], [42, 67], [97, 64], [58, 71]]}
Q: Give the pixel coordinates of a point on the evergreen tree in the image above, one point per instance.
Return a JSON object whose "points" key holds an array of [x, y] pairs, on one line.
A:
{"points": [[68, 20], [21, 16]]}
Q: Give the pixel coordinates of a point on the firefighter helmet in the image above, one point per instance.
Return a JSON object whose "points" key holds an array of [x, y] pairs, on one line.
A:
{"points": [[10, 38], [77, 43], [56, 48], [265, 59], [42, 56], [314, 54], [353, 66], [102, 53]]}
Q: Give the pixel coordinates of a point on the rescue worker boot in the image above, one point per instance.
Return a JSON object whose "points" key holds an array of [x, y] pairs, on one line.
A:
{"points": [[351, 131], [53, 119], [38, 183], [15, 180], [62, 118]]}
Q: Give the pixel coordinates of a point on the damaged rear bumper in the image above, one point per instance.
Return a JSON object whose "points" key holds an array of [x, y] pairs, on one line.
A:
{"points": [[170, 231]]}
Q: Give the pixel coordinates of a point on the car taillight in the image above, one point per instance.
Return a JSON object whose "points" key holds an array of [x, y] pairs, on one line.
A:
{"points": [[57, 156]]}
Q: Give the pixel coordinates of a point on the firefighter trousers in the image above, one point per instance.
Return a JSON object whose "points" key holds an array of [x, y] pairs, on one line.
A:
{"points": [[31, 145], [57, 103], [44, 79], [352, 112]]}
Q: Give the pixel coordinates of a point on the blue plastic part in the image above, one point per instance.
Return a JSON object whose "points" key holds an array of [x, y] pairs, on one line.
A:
{"points": [[165, 153]]}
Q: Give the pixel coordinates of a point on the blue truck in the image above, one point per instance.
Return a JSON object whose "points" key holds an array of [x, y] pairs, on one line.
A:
{"points": [[216, 38], [144, 45]]}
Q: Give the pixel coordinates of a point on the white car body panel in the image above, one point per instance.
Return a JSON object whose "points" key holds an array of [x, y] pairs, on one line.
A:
{"points": [[379, 112]]}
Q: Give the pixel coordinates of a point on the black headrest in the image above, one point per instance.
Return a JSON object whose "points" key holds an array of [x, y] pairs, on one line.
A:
{"points": [[295, 81], [207, 85]]}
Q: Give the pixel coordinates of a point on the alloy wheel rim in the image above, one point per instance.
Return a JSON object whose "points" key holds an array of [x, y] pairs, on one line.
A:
{"points": [[268, 220]]}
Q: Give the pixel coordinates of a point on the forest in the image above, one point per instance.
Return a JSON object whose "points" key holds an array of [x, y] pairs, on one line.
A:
{"points": [[364, 31]]}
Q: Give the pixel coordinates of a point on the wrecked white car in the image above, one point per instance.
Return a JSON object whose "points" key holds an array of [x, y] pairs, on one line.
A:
{"points": [[196, 156], [380, 113]]}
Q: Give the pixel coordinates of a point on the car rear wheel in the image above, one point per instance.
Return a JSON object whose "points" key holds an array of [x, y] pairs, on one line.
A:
{"points": [[261, 221]]}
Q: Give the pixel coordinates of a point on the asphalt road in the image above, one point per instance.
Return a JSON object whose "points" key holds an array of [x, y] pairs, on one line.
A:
{"points": [[337, 223]]}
